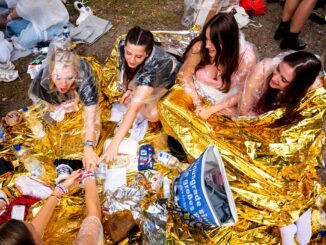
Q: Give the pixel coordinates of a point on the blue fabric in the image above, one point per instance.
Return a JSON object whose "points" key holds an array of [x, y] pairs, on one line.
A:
{"points": [[15, 27]]}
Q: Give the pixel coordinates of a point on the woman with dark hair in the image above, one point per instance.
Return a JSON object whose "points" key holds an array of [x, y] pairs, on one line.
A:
{"points": [[276, 83], [15, 232], [216, 65], [146, 74]]}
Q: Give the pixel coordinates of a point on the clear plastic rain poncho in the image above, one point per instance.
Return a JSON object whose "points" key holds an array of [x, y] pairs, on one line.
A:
{"points": [[200, 11], [42, 14], [201, 85], [257, 83], [159, 72], [91, 232], [84, 87]]}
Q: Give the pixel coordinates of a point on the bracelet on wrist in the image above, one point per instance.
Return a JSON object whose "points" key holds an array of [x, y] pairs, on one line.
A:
{"points": [[62, 188], [87, 175]]}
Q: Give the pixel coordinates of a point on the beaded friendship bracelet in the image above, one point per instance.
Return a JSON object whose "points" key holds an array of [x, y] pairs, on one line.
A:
{"points": [[87, 175]]}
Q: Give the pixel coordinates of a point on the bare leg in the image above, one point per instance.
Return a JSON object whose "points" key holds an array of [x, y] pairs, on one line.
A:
{"points": [[289, 9], [301, 14]]}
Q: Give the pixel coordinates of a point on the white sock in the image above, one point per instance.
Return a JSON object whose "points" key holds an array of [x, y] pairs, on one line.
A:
{"points": [[304, 228], [287, 234]]}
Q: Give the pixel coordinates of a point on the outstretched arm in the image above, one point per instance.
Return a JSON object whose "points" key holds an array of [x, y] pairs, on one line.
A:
{"points": [[141, 94], [44, 215], [92, 129], [92, 200]]}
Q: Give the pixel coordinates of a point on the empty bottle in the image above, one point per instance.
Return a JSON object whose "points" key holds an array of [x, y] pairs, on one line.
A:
{"points": [[32, 164], [66, 32], [167, 159], [34, 124]]}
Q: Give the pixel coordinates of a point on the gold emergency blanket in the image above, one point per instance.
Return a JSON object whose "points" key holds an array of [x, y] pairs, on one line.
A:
{"points": [[271, 169], [63, 140]]}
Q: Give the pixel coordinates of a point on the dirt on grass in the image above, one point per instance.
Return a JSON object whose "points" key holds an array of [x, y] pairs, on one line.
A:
{"points": [[154, 15]]}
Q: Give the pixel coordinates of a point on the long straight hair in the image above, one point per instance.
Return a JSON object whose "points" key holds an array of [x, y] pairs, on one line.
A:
{"points": [[306, 68], [140, 37], [224, 34], [15, 232]]}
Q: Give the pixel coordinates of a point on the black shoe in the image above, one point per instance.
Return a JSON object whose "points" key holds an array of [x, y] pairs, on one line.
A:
{"points": [[282, 30], [317, 19], [176, 149], [291, 41]]}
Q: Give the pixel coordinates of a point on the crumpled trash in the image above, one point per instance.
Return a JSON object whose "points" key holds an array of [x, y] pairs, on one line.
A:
{"points": [[152, 220]]}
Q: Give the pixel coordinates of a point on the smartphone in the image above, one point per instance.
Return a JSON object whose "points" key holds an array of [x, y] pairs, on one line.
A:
{"points": [[18, 212]]}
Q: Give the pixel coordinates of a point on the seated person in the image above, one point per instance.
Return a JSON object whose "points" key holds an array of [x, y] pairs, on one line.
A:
{"points": [[276, 83], [31, 22], [65, 80], [282, 83], [147, 73], [21, 232], [216, 65]]}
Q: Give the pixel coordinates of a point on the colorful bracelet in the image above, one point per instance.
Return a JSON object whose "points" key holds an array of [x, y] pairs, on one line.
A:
{"points": [[87, 175], [62, 188]]}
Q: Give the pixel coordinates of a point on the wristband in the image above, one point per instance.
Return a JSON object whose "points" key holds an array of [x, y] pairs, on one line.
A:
{"points": [[87, 175], [62, 188]]}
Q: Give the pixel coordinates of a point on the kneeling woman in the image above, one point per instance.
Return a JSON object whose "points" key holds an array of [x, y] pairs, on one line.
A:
{"points": [[146, 72], [65, 80]]}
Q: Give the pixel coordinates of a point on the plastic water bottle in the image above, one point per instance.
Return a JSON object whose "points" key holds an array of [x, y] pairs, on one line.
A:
{"points": [[34, 124], [66, 32], [32, 164], [167, 159], [101, 171], [166, 187]]}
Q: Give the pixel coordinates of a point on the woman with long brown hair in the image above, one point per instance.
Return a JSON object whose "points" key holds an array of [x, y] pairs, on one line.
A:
{"points": [[276, 83], [216, 64]]}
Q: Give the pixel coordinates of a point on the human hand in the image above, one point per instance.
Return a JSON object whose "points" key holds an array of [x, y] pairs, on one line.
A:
{"points": [[126, 97], [90, 159], [72, 179], [203, 112], [111, 152]]}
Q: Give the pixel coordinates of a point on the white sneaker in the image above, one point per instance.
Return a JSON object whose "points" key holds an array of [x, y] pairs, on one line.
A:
{"points": [[85, 11], [8, 75], [7, 66]]}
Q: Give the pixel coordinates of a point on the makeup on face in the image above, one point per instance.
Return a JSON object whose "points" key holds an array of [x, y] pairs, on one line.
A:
{"points": [[63, 78], [282, 77], [135, 55]]}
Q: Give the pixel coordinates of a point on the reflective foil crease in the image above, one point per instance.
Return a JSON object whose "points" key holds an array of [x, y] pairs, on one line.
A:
{"points": [[151, 218], [271, 169]]}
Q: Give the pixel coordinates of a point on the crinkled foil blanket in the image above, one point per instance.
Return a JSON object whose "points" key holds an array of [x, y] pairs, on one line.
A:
{"points": [[272, 169]]}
